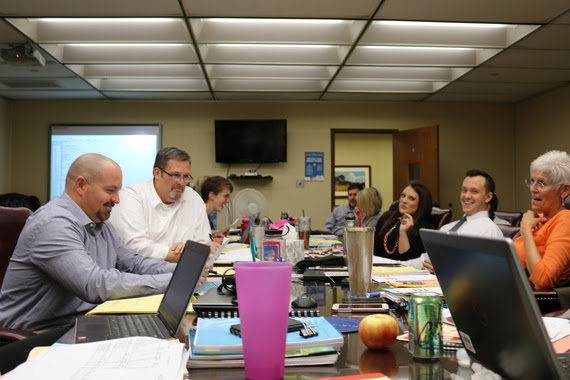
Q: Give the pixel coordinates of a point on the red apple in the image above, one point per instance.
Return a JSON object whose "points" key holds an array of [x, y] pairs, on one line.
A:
{"points": [[378, 331]]}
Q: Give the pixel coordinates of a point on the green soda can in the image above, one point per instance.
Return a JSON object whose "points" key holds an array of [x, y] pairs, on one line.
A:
{"points": [[424, 325]]}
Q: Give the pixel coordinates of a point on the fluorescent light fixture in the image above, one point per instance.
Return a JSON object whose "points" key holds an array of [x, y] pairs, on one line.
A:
{"points": [[442, 24], [120, 44], [275, 46], [272, 21], [104, 20], [407, 48]]}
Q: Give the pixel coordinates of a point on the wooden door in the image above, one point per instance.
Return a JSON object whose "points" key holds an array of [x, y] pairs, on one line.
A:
{"points": [[416, 158]]}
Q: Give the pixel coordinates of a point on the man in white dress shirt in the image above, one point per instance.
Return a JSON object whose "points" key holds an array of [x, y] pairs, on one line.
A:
{"points": [[479, 203], [156, 217]]}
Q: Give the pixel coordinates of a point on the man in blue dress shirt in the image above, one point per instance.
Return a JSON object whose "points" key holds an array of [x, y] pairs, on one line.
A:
{"points": [[69, 257]]}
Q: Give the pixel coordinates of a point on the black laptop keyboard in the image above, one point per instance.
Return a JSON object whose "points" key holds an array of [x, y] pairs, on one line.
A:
{"points": [[138, 325]]}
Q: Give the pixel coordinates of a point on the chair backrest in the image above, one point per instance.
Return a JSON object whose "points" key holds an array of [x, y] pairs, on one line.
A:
{"points": [[20, 200], [509, 231], [514, 218], [440, 216], [12, 220]]}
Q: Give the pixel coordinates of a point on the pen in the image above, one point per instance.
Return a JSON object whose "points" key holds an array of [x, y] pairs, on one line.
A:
{"points": [[214, 272], [373, 294]]}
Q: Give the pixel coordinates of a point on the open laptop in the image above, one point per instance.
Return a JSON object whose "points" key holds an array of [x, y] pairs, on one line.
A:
{"points": [[492, 305], [171, 311]]}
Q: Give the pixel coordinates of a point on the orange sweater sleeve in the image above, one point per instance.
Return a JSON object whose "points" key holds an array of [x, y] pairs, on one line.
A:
{"points": [[553, 244]]}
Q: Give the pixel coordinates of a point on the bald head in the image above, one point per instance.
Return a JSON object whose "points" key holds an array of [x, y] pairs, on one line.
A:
{"points": [[93, 182], [91, 166]]}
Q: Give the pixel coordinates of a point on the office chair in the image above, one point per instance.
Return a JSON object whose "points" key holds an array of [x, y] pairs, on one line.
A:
{"points": [[440, 217], [12, 220], [13, 335], [20, 200], [514, 218], [509, 231]]}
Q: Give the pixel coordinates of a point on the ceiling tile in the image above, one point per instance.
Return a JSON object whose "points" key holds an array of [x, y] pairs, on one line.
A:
{"points": [[531, 58], [353, 97], [442, 97], [498, 75], [505, 11], [155, 96], [268, 96], [51, 95], [99, 8], [548, 37]]}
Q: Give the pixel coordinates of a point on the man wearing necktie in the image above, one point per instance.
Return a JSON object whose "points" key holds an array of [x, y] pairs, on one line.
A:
{"points": [[479, 202]]}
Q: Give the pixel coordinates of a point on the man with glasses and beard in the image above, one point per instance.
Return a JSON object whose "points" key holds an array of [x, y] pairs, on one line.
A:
{"points": [[156, 217]]}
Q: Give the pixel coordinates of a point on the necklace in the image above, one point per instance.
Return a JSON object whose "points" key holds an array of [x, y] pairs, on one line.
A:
{"points": [[386, 240]]}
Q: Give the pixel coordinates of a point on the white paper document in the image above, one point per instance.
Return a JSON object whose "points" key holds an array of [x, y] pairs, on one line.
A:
{"points": [[126, 358]]}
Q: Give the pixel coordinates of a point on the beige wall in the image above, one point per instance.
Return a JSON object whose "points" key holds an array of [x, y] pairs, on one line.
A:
{"points": [[4, 147], [543, 124], [470, 136], [374, 149]]}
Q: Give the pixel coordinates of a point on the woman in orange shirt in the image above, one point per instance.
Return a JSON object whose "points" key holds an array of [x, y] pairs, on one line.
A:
{"points": [[544, 244]]}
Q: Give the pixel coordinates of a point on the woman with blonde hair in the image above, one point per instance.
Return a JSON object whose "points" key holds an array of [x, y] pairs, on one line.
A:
{"points": [[369, 203]]}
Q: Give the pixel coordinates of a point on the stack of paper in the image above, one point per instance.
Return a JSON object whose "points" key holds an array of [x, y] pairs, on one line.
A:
{"points": [[213, 345], [127, 358]]}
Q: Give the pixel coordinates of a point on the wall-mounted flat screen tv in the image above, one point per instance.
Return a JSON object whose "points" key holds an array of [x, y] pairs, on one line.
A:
{"points": [[243, 141]]}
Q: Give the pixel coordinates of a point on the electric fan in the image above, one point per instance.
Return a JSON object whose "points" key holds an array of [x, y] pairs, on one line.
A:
{"points": [[249, 202]]}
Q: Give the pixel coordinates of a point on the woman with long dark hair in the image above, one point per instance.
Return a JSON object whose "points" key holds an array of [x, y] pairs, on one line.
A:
{"points": [[397, 232]]}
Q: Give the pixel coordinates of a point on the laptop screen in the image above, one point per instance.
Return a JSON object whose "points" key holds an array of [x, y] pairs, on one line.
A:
{"points": [[492, 304], [185, 277]]}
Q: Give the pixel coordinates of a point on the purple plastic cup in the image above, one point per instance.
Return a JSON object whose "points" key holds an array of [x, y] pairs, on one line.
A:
{"points": [[263, 292]]}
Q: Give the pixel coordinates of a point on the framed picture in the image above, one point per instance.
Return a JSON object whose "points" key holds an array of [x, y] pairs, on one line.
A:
{"points": [[345, 175]]}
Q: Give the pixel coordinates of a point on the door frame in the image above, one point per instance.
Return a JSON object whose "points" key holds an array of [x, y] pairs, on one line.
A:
{"points": [[334, 131]]}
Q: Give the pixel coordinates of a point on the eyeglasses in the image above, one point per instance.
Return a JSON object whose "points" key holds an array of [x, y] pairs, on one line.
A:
{"points": [[177, 177], [539, 184]]}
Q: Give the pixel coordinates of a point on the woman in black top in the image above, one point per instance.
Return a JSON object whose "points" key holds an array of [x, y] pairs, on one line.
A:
{"points": [[397, 231]]}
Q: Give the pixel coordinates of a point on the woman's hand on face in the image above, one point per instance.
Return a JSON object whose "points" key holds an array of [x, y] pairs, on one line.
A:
{"points": [[406, 223], [531, 221]]}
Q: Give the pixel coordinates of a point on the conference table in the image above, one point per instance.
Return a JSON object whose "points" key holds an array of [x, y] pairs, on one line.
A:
{"points": [[355, 358]]}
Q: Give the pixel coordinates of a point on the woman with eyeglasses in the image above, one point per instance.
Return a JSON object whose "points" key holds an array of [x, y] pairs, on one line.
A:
{"points": [[215, 191], [544, 244]]}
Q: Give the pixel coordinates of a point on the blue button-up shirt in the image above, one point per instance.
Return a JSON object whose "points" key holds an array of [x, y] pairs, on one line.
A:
{"points": [[64, 263]]}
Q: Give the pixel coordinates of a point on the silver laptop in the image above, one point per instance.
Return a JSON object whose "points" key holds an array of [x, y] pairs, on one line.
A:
{"points": [[171, 311], [492, 305]]}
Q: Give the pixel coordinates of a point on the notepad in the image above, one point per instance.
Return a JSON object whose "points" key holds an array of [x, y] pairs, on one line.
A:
{"points": [[214, 336], [138, 305]]}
